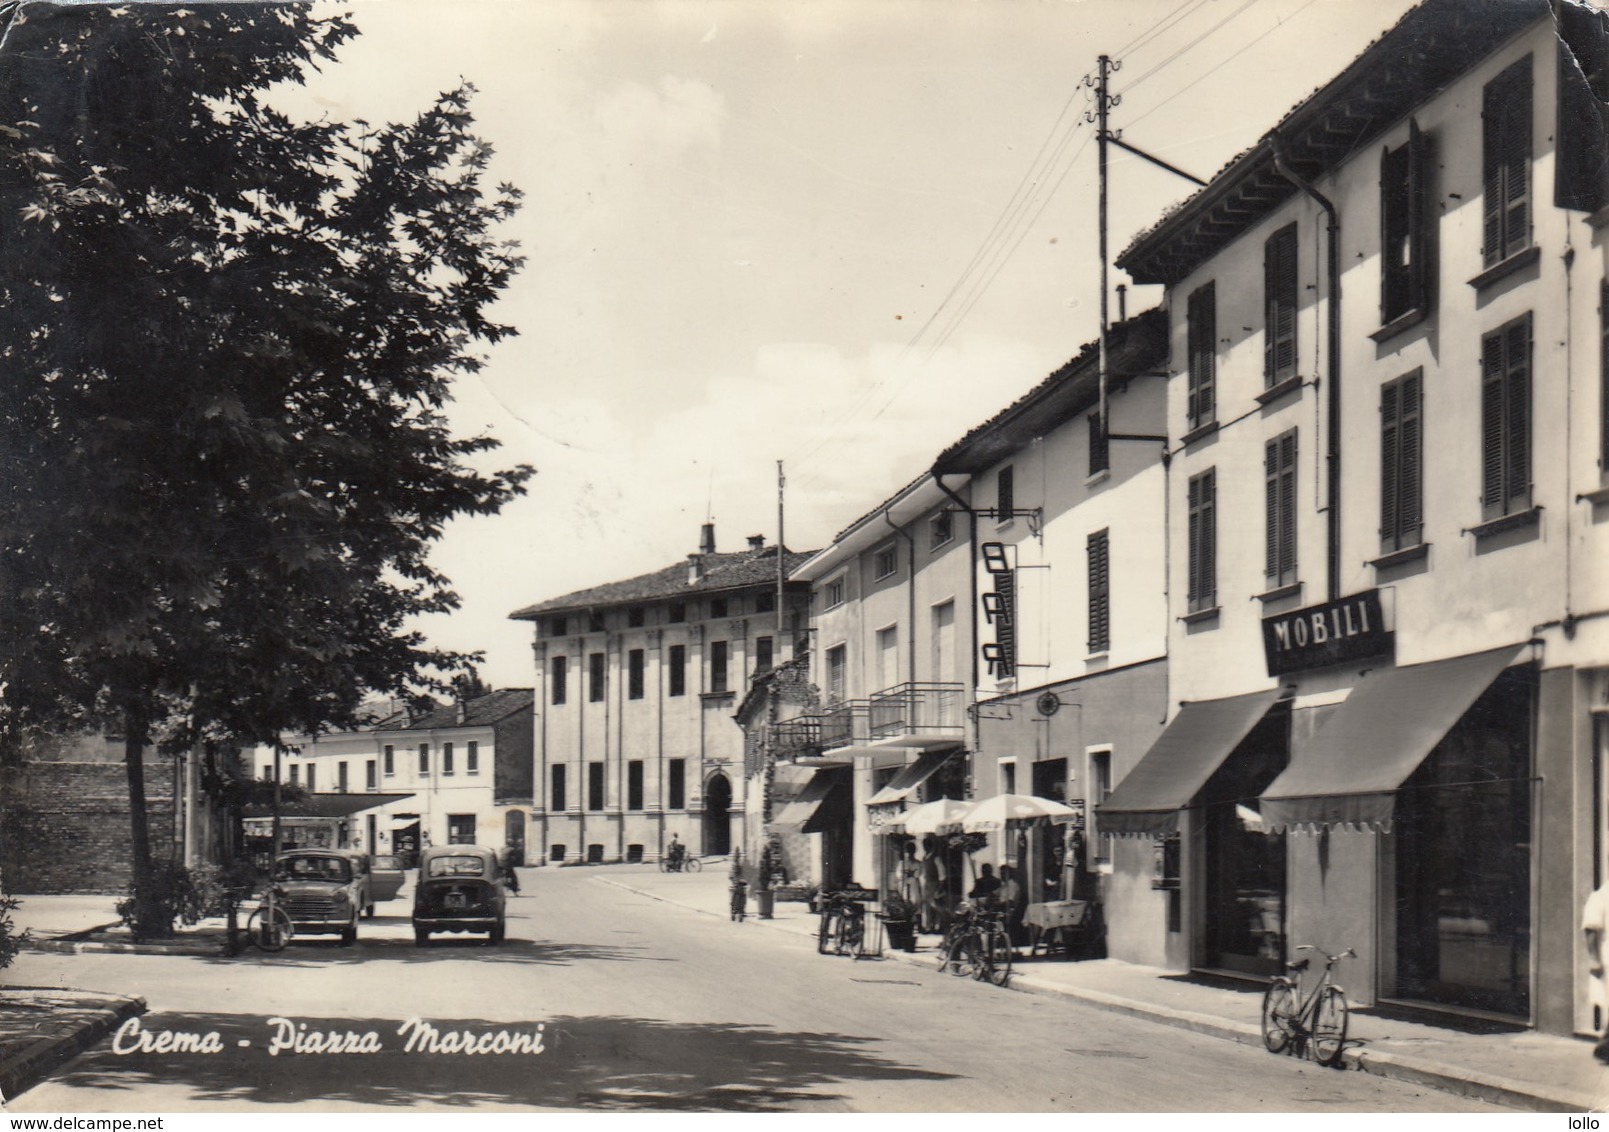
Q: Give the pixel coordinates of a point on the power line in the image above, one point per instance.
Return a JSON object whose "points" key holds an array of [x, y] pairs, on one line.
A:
{"points": [[1187, 47], [1166, 23]]}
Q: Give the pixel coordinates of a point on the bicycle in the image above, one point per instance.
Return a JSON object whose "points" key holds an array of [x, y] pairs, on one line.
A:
{"points": [[269, 927], [842, 926], [978, 944], [680, 864], [740, 898], [1321, 1017]]}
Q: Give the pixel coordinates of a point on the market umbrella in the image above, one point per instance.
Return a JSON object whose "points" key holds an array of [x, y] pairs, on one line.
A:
{"points": [[928, 817], [996, 813]]}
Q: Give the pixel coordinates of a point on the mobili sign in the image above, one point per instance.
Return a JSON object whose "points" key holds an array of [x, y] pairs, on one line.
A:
{"points": [[1336, 631]]}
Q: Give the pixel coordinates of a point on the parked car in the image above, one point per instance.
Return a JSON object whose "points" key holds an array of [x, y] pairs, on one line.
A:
{"points": [[387, 872], [325, 891], [459, 889]]}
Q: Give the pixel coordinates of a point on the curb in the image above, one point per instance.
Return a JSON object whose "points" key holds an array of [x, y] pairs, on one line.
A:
{"points": [[26, 1069], [91, 947], [1464, 1083]]}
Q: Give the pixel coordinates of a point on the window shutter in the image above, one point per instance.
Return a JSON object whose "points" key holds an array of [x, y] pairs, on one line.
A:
{"points": [[1492, 173], [1396, 231], [1517, 160], [1421, 229], [1209, 538], [1005, 626], [1287, 508], [1099, 593], [1410, 507], [1517, 415], [1603, 361], [1492, 425], [1271, 509], [1202, 331], [1390, 485], [1193, 593], [1279, 284]]}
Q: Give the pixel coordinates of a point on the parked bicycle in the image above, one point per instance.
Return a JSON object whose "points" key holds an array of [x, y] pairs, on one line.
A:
{"points": [[842, 927], [978, 944], [1292, 1022], [269, 926]]}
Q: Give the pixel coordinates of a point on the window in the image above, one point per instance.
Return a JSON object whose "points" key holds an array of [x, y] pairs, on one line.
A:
{"points": [[558, 627], [718, 656], [1406, 230], [1005, 500], [765, 601], [556, 798], [634, 784], [833, 593], [559, 674], [888, 656], [446, 758], [1203, 566], [1008, 776], [940, 529], [340, 777], [1100, 605], [634, 617], [1401, 518], [296, 773], [472, 757], [1506, 163], [1100, 778], [595, 622], [310, 769], [718, 607], [1279, 476], [390, 760], [1002, 613], [677, 613], [371, 781], [594, 786], [836, 658], [677, 787], [886, 562], [424, 758], [595, 685], [1099, 450], [678, 670], [762, 655], [1201, 317], [1279, 303], [634, 671], [1506, 420], [460, 829]]}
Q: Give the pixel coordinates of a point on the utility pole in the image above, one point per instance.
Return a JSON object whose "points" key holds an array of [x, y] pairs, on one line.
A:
{"points": [[1103, 103]]}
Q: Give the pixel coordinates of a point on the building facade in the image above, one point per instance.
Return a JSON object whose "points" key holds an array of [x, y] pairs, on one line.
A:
{"points": [[1388, 523], [638, 682]]}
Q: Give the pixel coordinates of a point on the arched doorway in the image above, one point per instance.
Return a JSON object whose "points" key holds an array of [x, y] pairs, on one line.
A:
{"points": [[717, 816], [514, 836]]}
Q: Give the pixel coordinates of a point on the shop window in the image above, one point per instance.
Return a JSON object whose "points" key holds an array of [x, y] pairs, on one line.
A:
{"points": [[1506, 163], [1201, 320], [1279, 481], [1506, 420], [1401, 431], [1280, 292], [461, 829], [1203, 538]]}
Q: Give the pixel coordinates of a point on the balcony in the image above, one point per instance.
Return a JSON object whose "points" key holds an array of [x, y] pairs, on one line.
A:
{"points": [[793, 738], [918, 711], [843, 724]]}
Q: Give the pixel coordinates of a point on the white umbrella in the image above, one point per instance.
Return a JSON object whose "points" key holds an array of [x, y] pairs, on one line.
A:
{"points": [[928, 817], [995, 813]]}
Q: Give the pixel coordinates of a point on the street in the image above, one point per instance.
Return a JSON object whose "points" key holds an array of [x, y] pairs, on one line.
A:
{"points": [[642, 1005]]}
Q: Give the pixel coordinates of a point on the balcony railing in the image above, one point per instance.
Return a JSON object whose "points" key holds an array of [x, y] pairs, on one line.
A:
{"points": [[793, 737], [917, 709], [844, 723]]}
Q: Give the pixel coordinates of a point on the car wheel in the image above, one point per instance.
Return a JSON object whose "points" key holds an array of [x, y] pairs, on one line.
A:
{"points": [[349, 934], [420, 937], [368, 913], [495, 936]]}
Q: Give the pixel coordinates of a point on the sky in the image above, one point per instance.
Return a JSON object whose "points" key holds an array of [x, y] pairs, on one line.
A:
{"points": [[833, 234]]}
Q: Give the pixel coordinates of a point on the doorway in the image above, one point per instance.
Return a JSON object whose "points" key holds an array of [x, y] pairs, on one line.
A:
{"points": [[514, 836], [717, 816]]}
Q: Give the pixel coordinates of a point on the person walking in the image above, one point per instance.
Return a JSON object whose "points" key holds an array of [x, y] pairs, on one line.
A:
{"points": [[1595, 928]]}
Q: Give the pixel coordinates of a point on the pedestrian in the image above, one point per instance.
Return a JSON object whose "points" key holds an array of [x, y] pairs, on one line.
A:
{"points": [[1595, 926], [505, 863], [985, 887], [935, 903], [1009, 899]]}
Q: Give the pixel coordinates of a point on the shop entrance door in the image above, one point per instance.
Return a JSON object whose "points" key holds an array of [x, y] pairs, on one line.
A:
{"points": [[1245, 866], [1463, 827]]}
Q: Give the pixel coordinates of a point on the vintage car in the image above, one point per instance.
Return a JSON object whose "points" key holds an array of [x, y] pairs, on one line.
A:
{"points": [[387, 873], [459, 889], [325, 891]]}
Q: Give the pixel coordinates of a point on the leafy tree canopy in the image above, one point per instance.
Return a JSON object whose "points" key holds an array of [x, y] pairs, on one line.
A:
{"points": [[226, 344]]}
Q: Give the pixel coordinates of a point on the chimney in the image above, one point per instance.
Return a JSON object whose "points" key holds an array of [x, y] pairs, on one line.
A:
{"points": [[756, 542], [706, 542], [460, 712], [695, 568]]}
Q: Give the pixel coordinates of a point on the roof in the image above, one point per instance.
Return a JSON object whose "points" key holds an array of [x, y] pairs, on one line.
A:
{"points": [[482, 711], [729, 571], [1426, 50], [1135, 346]]}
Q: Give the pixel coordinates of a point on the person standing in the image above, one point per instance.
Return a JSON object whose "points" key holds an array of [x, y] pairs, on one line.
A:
{"points": [[935, 902], [1595, 927]]}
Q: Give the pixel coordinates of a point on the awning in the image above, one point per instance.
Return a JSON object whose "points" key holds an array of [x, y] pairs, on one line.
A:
{"points": [[1351, 770], [1148, 800], [325, 805], [825, 795], [910, 776]]}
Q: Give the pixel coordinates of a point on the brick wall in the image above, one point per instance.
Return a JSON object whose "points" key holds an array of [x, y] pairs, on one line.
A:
{"points": [[64, 819]]}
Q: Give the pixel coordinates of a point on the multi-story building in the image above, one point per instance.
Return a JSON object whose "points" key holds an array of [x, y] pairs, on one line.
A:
{"points": [[1388, 525], [638, 682], [1068, 552], [459, 774], [891, 626]]}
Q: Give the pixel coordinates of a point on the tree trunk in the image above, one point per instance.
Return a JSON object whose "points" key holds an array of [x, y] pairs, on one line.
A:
{"points": [[146, 921]]}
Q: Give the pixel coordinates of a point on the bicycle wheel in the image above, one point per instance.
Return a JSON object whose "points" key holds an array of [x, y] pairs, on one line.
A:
{"points": [[996, 965], [693, 865], [270, 932], [855, 937], [664, 864], [825, 932], [963, 957], [1329, 1026], [1279, 1014]]}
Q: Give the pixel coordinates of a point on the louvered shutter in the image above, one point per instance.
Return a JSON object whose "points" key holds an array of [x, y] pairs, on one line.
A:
{"points": [[1390, 447], [1492, 173], [1287, 483], [1005, 626], [1421, 227], [1517, 416], [1492, 426], [1271, 510], [1197, 544], [1506, 162], [1279, 285], [1603, 392], [1099, 594], [1410, 506], [1395, 232], [1203, 331], [1209, 538]]}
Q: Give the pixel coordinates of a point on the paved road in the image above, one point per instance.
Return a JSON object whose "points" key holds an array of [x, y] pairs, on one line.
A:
{"points": [[645, 1006]]}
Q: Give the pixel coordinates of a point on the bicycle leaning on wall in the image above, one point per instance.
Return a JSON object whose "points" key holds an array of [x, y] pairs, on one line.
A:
{"points": [[1293, 1023]]}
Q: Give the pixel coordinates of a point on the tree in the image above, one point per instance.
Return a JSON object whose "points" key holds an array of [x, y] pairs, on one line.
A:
{"points": [[228, 340]]}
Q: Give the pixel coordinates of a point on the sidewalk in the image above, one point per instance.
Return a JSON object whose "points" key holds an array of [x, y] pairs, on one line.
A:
{"points": [[54, 921], [1537, 1072]]}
